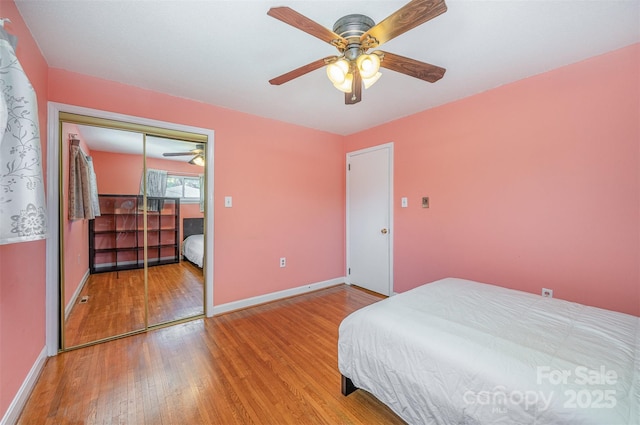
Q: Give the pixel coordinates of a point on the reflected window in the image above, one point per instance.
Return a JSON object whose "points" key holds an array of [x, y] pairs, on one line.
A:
{"points": [[184, 187]]}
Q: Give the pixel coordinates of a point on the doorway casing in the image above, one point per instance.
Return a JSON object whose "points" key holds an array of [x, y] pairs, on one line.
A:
{"points": [[385, 228]]}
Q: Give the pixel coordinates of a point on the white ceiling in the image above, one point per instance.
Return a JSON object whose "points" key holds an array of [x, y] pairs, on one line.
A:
{"points": [[225, 52], [127, 142]]}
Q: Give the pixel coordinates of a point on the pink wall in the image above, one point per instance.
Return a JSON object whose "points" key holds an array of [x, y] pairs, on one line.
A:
{"points": [[119, 174], [22, 265], [287, 184], [534, 184]]}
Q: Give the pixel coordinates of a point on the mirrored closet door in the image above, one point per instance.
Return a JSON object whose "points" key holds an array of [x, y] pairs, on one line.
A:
{"points": [[131, 228], [175, 226]]}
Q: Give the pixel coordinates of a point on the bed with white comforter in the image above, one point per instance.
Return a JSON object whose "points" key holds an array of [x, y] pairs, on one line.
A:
{"points": [[461, 352], [193, 249]]}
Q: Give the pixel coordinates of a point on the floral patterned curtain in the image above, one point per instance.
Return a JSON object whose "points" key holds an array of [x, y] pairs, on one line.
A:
{"points": [[22, 195]]}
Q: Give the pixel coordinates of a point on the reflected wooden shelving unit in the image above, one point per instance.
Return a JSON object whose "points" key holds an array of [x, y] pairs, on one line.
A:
{"points": [[116, 237]]}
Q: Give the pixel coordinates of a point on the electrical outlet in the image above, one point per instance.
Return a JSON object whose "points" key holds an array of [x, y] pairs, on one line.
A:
{"points": [[283, 262], [547, 293]]}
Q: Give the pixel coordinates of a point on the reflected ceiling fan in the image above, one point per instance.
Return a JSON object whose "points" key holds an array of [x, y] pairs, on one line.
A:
{"points": [[198, 155], [353, 36]]}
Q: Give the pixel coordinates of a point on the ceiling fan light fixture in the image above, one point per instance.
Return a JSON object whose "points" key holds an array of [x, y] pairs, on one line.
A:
{"points": [[354, 35], [197, 160], [368, 65], [368, 82], [337, 71], [346, 85]]}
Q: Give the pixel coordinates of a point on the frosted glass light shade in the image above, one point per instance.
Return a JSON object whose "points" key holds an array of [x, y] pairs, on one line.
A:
{"points": [[368, 65], [368, 82], [338, 71], [345, 86]]}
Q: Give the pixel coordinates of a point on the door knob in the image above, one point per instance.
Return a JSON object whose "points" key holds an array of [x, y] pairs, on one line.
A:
{"points": [[384, 231]]}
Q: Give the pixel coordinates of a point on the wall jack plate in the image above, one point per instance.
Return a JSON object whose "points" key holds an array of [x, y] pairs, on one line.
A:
{"points": [[547, 293], [425, 202]]}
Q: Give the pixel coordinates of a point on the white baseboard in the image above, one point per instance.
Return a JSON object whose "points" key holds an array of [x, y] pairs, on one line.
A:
{"points": [[77, 292], [15, 408], [274, 296]]}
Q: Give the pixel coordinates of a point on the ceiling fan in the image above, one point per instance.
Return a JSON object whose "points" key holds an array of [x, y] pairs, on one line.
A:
{"points": [[353, 36], [198, 155]]}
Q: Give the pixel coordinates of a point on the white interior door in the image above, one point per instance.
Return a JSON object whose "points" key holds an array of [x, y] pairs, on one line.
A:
{"points": [[369, 218]]}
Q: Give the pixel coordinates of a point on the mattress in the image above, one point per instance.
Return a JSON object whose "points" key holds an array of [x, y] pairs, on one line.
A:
{"points": [[193, 249], [461, 352]]}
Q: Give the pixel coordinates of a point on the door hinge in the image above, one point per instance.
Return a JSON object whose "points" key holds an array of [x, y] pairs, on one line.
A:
{"points": [[348, 167], [349, 270]]}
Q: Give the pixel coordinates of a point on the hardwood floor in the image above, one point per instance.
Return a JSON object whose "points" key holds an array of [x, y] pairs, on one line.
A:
{"points": [[271, 364], [176, 291], [115, 306], [116, 301]]}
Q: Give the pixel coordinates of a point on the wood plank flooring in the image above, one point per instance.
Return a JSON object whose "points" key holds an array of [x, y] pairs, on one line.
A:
{"points": [[176, 291], [271, 364], [115, 303]]}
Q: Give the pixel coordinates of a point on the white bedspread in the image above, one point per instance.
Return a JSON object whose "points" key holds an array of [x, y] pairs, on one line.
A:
{"points": [[193, 249], [461, 352]]}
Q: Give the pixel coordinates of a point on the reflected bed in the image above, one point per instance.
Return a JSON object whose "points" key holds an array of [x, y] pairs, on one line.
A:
{"points": [[193, 240]]}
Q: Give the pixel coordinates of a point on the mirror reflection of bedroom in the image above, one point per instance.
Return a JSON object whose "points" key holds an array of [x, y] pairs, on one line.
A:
{"points": [[132, 230]]}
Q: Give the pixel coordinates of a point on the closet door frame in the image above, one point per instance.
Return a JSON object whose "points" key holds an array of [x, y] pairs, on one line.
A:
{"points": [[54, 176]]}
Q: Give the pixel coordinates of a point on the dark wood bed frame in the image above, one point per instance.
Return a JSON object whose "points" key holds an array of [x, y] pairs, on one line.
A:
{"points": [[347, 386], [192, 226]]}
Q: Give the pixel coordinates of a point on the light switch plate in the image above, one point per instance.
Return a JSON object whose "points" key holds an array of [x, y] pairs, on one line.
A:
{"points": [[228, 202], [404, 202]]}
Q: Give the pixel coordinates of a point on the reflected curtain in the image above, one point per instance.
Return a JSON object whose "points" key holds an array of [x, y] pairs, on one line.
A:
{"points": [[201, 192], [81, 199], [22, 194], [93, 186], [156, 187]]}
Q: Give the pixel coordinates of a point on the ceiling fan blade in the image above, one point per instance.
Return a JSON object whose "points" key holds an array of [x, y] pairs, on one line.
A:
{"points": [[412, 67], [356, 90], [409, 16], [301, 71], [295, 19]]}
